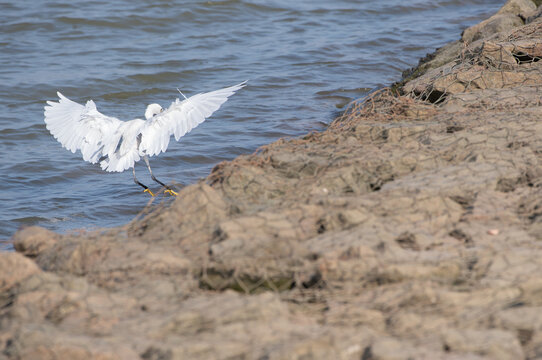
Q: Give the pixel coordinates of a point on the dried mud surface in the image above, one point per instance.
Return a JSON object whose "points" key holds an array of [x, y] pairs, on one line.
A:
{"points": [[410, 229]]}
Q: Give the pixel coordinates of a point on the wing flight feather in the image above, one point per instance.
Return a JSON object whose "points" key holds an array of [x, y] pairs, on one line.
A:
{"points": [[83, 128], [181, 117]]}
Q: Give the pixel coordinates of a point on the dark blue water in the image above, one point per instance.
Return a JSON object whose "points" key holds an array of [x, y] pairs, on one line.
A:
{"points": [[305, 61]]}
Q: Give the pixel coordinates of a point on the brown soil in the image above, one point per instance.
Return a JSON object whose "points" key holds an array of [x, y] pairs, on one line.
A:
{"points": [[410, 229]]}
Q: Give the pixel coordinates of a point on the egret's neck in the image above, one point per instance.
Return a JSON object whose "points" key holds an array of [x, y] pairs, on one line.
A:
{"points": [[149, 113]]}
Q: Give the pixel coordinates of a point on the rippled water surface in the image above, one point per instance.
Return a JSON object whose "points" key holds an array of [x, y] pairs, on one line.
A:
{"points": [[305, 59]]}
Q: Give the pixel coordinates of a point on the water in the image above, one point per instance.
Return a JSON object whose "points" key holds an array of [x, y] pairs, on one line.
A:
{"points": [[305, 59]]}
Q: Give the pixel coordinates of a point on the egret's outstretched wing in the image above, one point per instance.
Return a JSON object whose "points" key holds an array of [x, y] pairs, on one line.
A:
{"points": [[181, 117], [79, 127]]}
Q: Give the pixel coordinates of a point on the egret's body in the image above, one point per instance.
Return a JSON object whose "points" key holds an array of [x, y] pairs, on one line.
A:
{"points": [[117, 144]]}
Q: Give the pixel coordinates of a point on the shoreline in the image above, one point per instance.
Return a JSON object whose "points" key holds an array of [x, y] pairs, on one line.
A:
{"points": [[410, 228]]}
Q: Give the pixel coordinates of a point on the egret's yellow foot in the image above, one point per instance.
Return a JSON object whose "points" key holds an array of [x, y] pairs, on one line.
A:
{"points": [[170, 192], [149, 191]]}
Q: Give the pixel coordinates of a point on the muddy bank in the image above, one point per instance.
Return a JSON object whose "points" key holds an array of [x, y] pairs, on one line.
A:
{"points": [[410, 228]]}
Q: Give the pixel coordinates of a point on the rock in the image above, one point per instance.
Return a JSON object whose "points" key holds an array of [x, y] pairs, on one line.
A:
{"points": [[495, 24], [15, 268], [393, 349], [32, 241], [518, 7], [496, 344], [508, 17], [440, 57], [534, 16], [498, 55]]}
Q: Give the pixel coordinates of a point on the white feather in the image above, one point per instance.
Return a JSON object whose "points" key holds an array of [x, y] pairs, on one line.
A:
{"points": [[181, 117], [118, 145]]}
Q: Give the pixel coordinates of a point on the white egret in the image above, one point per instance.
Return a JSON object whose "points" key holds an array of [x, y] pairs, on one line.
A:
{"points": [[117, 144]]}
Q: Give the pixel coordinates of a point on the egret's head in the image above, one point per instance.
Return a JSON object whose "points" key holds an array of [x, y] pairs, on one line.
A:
{"points": [[152, 110]]}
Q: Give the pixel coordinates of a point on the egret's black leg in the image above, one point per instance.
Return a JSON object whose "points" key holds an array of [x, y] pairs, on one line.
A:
{"points": [[168, 189], [140, 184]]}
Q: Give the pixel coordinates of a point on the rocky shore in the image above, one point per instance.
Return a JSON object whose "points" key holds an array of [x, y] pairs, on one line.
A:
{"points": [[410, 229]]}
